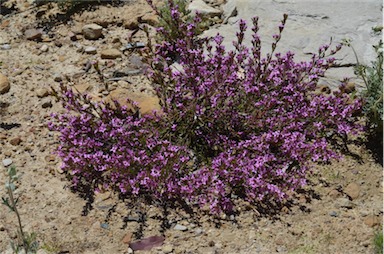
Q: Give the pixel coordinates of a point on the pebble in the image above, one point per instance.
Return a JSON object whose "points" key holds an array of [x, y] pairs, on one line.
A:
{"points": [[42, 92], [333, 214], [44, 48], [167, 248], [344, 203], [371, 221], [131, 24], [7, 162], [104, 225], [127, 238], [110, 54], [5, 47], [15, 141], [58, 43], [352, 190], [334, 194], [199, 231], [57, 77], [90, 50], [4, 84], [33, 34], [92, 31], [46, 103], [180, 227]]}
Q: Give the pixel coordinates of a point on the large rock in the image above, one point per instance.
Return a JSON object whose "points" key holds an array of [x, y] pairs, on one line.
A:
{"points": [[4, 84], [92, 31], [147, 103], [310, 24]]}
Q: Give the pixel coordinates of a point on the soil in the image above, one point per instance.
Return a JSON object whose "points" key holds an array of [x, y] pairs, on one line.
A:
{"points": [[338, 212]]}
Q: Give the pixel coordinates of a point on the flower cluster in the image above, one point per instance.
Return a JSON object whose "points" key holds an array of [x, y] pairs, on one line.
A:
{"points": [[234, 124]]}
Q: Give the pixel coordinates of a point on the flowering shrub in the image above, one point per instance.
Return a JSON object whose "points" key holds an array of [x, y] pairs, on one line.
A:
{"points": [[234, 124], [111, 147]]}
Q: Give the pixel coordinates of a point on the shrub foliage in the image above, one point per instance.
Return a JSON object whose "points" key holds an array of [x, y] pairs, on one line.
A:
{"points": [[233, 123]]}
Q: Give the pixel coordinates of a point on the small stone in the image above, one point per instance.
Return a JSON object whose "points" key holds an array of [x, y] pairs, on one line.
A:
{"points": [[352, 190], [110, 54], [44, 48], [104, 225], [58, 43], [371, 221], [72, 36], [57, 77], [50, 158], [127, 238], [334, 194], [150, 19], [15, 141], [4, 84], [180, 227], [344, 203], [199, 231], [333, 214], [167, 248], [47, 103], [92, 31], [7, 162], [42, 92], [33, 34], [285, 210], [131, 24], [90, 50], [130, 251], [5, 47]]}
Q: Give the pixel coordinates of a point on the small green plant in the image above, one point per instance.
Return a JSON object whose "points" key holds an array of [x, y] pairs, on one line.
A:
{"points": [[378, 242], [26, 241], [373, 92], [168, 23]]}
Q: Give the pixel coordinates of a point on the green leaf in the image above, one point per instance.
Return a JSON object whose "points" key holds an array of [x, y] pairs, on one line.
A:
{"points": [[10, 186], [12, 171]]}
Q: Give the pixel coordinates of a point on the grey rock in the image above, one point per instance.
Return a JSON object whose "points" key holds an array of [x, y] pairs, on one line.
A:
{"points": [[7, 162], [333, 214], [199, 231], [180, 227], [92, 31], [5, 47], [310, 24]]}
